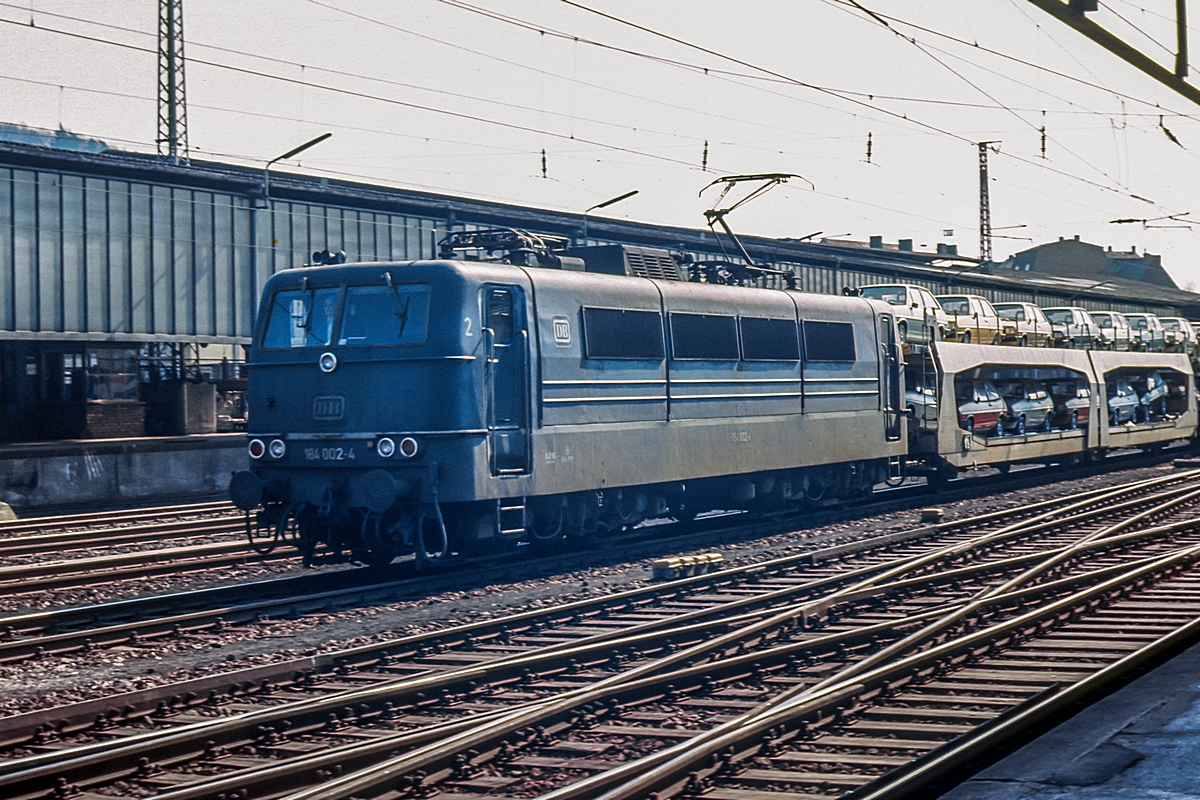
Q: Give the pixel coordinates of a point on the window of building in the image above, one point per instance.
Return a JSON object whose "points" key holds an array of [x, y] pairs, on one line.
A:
{"points": [[770, 339], [622, 334], [112, 375], [703, 337], [828, 341]]}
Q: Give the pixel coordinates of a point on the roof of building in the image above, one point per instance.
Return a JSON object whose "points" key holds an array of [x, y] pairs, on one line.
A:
{"points": [[1073, 258]]}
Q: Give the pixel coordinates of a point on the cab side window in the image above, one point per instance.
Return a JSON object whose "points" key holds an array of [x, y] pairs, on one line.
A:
{"points": [[500, 315]]}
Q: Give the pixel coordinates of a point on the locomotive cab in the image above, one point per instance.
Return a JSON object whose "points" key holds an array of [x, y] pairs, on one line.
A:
{"points": [[345, 441]]}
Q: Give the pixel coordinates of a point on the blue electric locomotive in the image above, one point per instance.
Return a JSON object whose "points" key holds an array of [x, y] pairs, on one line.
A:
{"points": [[430, 406]]}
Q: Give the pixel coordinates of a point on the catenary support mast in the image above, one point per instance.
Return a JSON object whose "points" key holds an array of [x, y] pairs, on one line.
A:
{"points": [[172, 99]]}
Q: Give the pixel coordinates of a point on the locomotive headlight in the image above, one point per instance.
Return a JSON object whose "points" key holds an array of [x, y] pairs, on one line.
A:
{"points": [[408, 447], [385, 447], [257, 449], [327, 362], [278, 448]]}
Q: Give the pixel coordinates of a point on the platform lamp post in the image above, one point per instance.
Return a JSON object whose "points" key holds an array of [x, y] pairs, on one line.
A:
{"points": [[605, 204], [264, 202], [294, 151]]}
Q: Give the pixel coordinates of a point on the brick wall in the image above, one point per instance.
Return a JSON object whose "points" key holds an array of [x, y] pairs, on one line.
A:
{"points": [[113, 419]]}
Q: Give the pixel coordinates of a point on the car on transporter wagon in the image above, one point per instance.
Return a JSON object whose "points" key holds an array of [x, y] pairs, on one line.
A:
{"points": [[1072, 403], [1029, 406], [1074, 328], [1147, 333], [975, 320], [1032, 327], [1115, 328], [919, 316], [1179, 336], [980, 407]]}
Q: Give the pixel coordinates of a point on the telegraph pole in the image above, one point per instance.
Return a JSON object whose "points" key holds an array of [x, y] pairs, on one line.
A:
{"points": [[172, 99], [985, 207]]}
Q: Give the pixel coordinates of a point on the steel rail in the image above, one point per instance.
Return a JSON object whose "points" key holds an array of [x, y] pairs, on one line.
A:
{"points": [[341, 699], [92, 537], [258, 779], [646, 629], [484, 735], [437, 755], [54, 620], [39, 523], [660, 770], [941, 768], [81, 572]]}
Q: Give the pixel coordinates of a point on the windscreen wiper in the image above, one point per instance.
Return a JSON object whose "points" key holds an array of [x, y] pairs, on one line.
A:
{"points": [[401, 307], [308, 312]]}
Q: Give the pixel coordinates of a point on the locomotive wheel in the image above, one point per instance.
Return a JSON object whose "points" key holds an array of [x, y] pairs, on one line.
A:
{"points": [[382, 536], [549, 524]]}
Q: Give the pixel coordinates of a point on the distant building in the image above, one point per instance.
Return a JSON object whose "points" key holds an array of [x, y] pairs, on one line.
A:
{"points": [[1071, 258]]}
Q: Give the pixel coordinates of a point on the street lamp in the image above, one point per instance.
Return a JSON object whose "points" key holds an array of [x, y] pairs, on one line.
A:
{"points": [[605, 204], [288, 154]]}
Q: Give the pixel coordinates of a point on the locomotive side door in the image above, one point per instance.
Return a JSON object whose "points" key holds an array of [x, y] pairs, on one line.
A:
{"points": [[889, 369], [507, 377]]}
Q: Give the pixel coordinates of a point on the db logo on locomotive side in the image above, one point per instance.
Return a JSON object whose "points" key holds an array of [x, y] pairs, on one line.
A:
{"points": [[562, 331]]}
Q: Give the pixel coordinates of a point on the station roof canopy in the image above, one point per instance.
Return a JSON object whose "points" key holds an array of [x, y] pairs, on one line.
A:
{"points": [[882, 263]]}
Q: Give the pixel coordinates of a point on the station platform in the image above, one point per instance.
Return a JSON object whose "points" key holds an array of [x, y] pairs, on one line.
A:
{"points": [[1142, 741], [103, 472]]}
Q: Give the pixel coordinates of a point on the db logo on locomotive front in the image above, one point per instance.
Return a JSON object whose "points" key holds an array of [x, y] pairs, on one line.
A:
{"points": [[328, 407]]}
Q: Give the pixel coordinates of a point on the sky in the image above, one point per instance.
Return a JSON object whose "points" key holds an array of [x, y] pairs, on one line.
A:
{"points": [[561, 104]]}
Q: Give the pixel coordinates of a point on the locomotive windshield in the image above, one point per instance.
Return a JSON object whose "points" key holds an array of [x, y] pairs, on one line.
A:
{"points": [[369, 315], [385, 315], [301, 318]]}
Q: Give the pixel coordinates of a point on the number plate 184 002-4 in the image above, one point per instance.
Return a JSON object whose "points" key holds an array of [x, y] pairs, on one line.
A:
{"points": [[329, 454]]}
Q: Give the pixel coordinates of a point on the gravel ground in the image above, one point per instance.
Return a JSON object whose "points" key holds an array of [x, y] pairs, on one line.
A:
{"points": [[56, 680]]}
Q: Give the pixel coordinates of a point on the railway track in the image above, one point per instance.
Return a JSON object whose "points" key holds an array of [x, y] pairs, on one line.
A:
{"points": [[111, 519], [141, 620], [679, 687], [21, 541]]}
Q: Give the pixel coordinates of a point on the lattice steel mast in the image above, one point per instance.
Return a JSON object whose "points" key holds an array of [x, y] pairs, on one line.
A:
{"points": [[172, 98], [985, 207]]}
